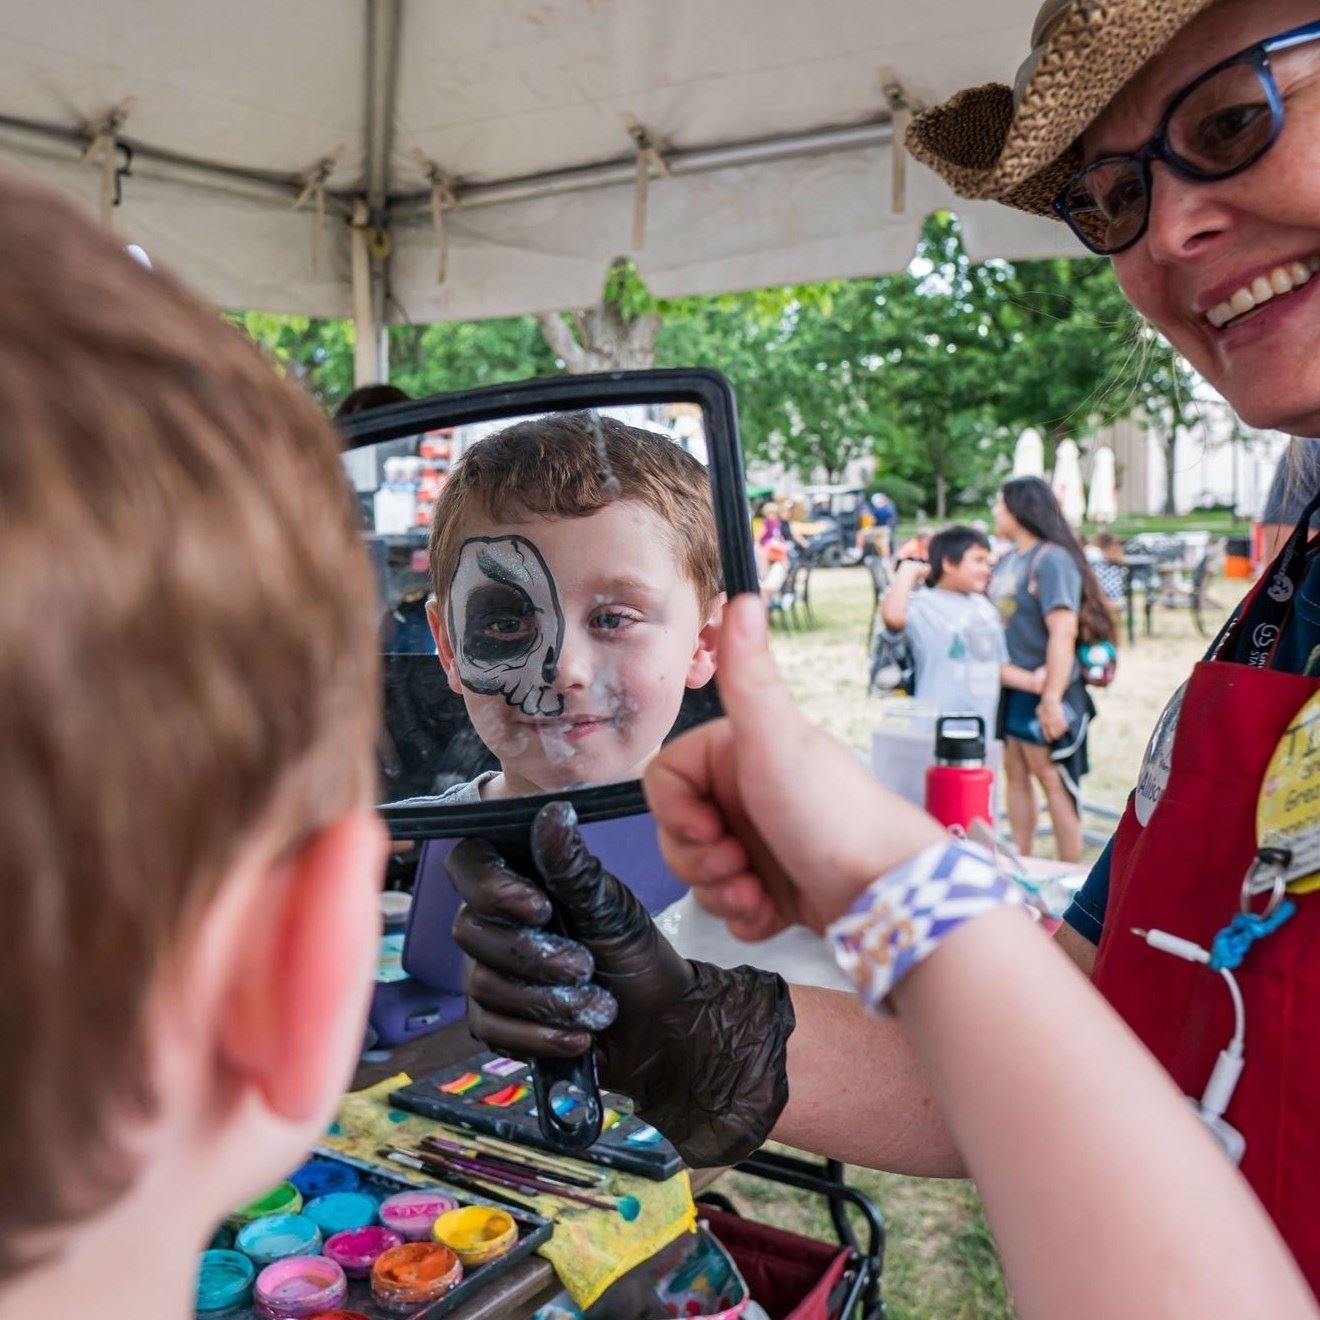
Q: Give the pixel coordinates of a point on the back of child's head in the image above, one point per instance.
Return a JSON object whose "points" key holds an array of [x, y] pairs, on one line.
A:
{"points": [[186, 661], [571, 465]]}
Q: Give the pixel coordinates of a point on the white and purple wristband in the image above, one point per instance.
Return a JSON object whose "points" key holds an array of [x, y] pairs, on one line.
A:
{"points": [[900, 919]]}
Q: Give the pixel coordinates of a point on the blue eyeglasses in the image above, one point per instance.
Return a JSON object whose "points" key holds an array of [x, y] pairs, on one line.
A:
{"points": [[1216, 127]]}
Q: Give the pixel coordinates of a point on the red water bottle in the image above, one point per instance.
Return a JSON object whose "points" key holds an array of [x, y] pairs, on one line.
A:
{"points": [[959, 786]]}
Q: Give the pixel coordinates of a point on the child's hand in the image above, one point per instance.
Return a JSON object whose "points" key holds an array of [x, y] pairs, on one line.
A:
{"points": [[771, 821]]}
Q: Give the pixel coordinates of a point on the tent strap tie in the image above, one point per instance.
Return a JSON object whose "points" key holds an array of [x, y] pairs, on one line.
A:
{"points": [[314, 182], [443, 198], [103, 150], [650, 156]]}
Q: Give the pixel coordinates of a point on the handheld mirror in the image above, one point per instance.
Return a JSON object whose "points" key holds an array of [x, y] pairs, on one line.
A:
{"points": [[552, 558]]}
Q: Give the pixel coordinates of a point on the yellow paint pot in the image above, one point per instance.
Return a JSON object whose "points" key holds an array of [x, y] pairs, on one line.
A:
{"points": [[476, 1233]]}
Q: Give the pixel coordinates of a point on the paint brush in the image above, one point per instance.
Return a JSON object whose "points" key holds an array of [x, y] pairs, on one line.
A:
{"points": [[572, 1168], [628, 1206], [499, 1160], [420, 1165]]}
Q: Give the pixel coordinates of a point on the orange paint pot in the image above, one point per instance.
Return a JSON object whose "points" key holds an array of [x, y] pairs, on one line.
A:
{"points": [[476, 1233], [406, 1277]]}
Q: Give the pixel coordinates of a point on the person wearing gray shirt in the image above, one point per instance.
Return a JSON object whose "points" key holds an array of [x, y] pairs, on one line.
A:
{"points": [[957, 640]]}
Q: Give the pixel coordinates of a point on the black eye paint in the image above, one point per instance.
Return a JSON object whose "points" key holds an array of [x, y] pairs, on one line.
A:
{"points": [[506, 623]]}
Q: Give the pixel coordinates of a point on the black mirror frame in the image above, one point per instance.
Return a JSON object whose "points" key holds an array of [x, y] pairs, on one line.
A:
{"points": [[699, 385]]}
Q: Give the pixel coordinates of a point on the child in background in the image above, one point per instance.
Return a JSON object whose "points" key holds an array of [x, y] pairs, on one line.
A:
{"points": [[577, 596], [956, 636], [188, 697]]}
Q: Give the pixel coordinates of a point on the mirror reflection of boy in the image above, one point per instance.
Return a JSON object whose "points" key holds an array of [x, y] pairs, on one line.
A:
{"points": [[577, 597], [188, 698]]}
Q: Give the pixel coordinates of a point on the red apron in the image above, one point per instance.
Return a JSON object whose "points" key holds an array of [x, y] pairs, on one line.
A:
{"points": [[1183, 874]]}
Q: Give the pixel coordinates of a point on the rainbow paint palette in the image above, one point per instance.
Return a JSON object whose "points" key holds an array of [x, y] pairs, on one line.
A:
{"points": [[491, 1094], [235, 1285]]}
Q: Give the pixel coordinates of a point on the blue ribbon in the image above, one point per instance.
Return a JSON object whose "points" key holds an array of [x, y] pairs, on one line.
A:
{"points": [[1231, 944]]}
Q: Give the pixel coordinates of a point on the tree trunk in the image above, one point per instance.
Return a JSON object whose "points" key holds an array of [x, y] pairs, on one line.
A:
{"points": [[602, 339], [1170, 442], [941, 496]]}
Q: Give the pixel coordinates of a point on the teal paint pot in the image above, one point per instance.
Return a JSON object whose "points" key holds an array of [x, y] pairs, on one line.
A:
{"points": [[340, 1211], [224, 1281], [274, 1237]]}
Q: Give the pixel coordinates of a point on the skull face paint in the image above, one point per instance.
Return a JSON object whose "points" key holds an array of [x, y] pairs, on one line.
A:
{"points": [[506, 623]]}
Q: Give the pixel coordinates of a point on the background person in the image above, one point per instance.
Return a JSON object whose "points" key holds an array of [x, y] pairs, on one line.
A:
{"points": [[956, 636], [1042, 588], [1296, 478]]}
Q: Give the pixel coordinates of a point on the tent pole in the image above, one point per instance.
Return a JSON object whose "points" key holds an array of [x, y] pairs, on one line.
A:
{"points": [[369, 364]]}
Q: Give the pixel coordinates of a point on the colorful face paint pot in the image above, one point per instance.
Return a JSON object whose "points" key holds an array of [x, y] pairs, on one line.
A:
{"points": [[283, 1199], [342, 1315], [299, 1286], [224, 1280], [406, 1277], [412, 1215], [273, 1237], [339, 1211], [476, 1233], [321, 1177], [357, 1249]]}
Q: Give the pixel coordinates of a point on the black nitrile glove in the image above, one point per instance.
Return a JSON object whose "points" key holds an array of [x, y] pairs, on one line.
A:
{"points": [[701, 1050]]}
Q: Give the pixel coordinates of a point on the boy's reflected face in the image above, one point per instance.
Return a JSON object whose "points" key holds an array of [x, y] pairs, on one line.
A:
{"points": [[586, 696]]}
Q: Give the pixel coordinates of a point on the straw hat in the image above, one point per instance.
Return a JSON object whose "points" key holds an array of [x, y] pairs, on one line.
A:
{"points": [[1020, 145]]}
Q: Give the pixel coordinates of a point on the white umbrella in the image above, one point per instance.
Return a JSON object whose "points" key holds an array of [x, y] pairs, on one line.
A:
{"points": [[1102, 504], [1029, 456], [1068, 482]]}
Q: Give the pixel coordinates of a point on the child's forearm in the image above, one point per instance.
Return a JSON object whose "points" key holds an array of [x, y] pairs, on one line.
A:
{"points": [[894, 607], [1021, 680], [1105, 1193]]}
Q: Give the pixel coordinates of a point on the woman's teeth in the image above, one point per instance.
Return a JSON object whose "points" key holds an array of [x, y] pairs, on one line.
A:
{"points": [[1282, 279]]}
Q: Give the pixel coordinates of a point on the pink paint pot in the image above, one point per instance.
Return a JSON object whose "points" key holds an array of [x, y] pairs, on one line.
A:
{"points": [[356, 1249], [298, 1287], [413, 1214]]}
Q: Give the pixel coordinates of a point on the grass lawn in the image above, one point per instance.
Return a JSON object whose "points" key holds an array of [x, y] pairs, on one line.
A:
{"points": [[941, 1260]]}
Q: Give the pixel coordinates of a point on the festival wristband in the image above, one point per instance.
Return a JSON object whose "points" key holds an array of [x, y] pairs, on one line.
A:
{"points": [[901, 918]]}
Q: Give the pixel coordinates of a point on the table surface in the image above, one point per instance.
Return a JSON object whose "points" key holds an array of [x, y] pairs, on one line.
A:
{"points": [[531, 1283]]}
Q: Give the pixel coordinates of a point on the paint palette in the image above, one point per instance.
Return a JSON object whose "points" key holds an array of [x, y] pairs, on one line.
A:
{"points": [[533, 1230], [491, 1094]]}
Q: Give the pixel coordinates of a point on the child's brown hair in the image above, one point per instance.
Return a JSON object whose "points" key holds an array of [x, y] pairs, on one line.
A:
{"points": [[571, 465], [186, 659]]}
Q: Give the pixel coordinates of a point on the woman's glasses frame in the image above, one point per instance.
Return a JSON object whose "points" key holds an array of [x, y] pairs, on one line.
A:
{"points": [[1159, 148]]}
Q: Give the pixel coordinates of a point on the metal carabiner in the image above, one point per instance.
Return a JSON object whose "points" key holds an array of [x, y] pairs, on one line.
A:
{"points": [[1268, 875]]}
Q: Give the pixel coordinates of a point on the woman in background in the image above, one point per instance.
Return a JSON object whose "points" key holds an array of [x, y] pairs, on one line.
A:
{"points": [[1044, 588]]}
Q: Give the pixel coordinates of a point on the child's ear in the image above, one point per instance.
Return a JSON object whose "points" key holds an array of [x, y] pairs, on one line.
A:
{"points": [[300, 979], [701, 669], [444, 648]]}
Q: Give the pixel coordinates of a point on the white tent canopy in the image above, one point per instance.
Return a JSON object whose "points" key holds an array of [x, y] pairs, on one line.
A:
{"points": [[520, 121]]}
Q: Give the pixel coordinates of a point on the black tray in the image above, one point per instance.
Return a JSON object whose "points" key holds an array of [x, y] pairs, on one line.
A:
{"points": [[517, 1123], [532, 1231]]}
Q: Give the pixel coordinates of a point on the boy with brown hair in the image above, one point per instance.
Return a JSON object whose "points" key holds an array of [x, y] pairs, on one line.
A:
{"points": [[188, 697], [576, 572]]}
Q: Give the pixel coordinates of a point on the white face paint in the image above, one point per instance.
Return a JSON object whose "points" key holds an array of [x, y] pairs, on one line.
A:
{"points": [[506, 624]]}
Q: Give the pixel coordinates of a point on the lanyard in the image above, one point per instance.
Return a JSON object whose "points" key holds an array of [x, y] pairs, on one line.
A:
{"points": [[1254, 637]]}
